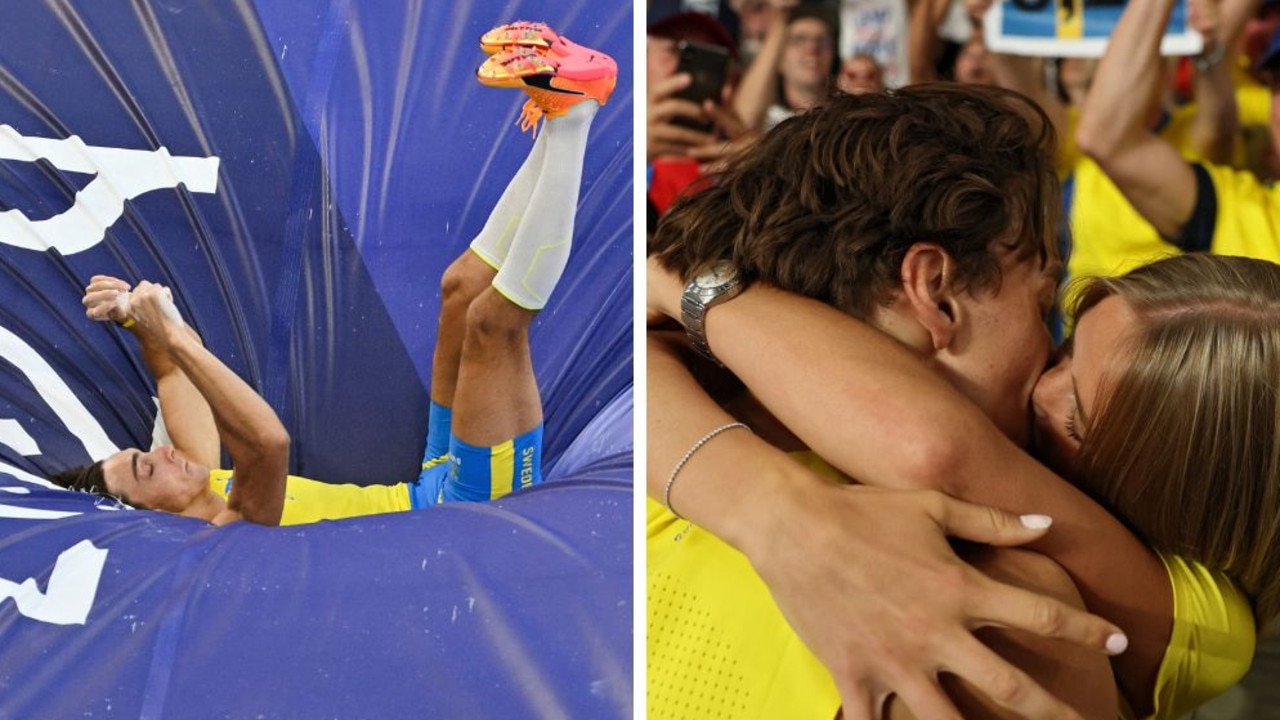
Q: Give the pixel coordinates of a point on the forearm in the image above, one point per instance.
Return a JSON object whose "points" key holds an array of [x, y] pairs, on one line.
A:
{"points": [[1115, 110], [188, 418], [728, 482], [1217, 122], [922, 45], [247, 425], [1153, 176], [255, 438], [1215, 126], [756, 90]]}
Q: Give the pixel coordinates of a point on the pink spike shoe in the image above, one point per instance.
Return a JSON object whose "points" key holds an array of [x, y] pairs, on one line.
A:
{"points": [[555, 82], [521, 33]]}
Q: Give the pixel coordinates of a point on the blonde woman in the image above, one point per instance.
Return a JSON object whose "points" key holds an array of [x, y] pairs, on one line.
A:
{"points": [[1165, 409]]}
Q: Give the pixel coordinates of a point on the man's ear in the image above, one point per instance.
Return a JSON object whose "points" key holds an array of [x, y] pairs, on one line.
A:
{"points": [[927, 272]]}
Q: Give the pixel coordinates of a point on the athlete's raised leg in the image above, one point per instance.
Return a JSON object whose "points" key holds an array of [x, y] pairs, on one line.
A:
{"points": [[496, 411]]}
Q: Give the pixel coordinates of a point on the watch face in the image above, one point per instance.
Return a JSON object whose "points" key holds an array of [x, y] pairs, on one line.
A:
{"points": [[722, 273]]}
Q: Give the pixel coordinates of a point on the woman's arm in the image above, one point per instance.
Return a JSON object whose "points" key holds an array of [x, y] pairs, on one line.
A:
{"points": [[255, 438], [870, 407], [863, 575]]}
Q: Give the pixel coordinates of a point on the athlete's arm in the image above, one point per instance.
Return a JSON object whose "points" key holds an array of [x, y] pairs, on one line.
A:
{"points": [[1113, 129], [255, 438], [187, 416], [864, 575], [870, 407]]}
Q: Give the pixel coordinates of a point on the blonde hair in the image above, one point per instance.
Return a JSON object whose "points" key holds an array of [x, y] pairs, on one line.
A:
{"points": [[1185, 448]]}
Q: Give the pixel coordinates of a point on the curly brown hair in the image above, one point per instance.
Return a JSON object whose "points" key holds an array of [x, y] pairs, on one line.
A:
{"points": [[827, 204]]}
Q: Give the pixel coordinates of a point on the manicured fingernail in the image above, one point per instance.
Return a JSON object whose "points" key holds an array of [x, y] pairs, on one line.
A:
{"points": [[1036, 522], [1117, 643]]}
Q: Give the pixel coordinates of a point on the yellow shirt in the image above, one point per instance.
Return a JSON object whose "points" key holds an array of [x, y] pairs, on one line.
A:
{"points": [[1248, 219], [719, 647], [1211, 643], [308, 501], [1108, 236]]}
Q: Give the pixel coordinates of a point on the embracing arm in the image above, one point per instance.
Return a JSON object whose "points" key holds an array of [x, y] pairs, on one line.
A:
{"points": [[256, 440], [887, 622], [1113, 129], [870, 407]]}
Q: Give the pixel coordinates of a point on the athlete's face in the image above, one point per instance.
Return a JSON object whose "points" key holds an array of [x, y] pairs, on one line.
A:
{"points": [[162, 479], [1069, 394], [999, 356]]}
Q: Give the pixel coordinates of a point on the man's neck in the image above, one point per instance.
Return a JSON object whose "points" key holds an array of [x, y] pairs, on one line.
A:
{"points": [[206, 506]]}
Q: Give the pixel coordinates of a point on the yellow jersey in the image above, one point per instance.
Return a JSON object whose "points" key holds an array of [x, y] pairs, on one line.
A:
{"points": [[308, 501], [1108, 236], [717, 645], [1247, 221]]}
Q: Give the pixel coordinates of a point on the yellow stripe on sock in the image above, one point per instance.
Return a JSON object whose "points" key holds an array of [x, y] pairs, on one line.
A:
{"points": [[501, 469]]}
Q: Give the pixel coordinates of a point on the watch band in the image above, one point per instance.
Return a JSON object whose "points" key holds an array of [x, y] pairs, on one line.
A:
{"points": [[704, 292], [694, 313]]}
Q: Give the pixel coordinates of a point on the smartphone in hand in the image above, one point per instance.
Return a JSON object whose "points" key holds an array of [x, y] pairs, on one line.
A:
{"points": [[708, 65]]}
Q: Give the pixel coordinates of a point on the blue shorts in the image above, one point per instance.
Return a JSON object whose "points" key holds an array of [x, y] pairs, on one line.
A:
{"points": [[453, 471]]}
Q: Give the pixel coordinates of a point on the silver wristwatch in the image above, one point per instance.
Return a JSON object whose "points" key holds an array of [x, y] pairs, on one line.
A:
{"points": [[708, 289]]}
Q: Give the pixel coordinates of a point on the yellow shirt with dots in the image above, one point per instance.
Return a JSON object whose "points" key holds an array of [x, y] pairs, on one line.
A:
{"points": [[718, 647]]}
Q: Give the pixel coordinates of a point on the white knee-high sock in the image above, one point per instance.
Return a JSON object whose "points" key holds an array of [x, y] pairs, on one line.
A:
{"points": [[494, 239], [542, 241]]}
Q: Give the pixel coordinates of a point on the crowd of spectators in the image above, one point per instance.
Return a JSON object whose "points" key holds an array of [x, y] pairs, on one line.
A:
{"points": [[787, 55]]}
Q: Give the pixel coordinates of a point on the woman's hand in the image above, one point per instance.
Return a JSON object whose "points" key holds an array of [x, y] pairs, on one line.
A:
{"points": [[867, 579], [666, 138]]}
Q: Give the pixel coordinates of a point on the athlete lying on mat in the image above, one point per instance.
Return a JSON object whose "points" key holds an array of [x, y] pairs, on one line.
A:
{"points": [[485, 434]]}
